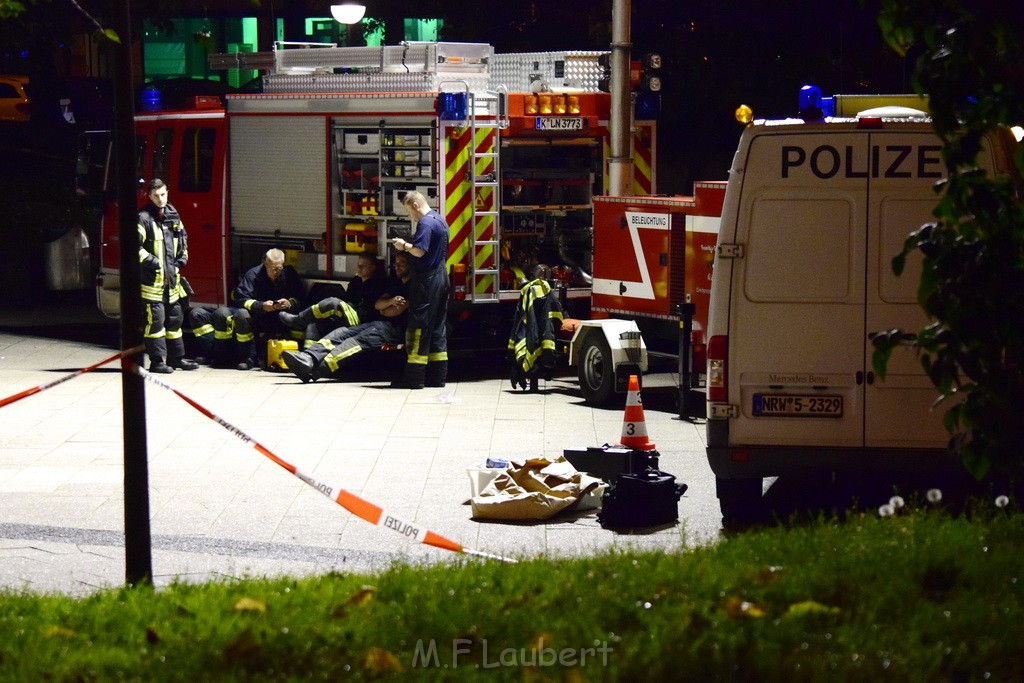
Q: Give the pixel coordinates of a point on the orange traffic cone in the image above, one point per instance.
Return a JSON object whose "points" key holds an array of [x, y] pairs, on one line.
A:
{"points": [[634, 428]]}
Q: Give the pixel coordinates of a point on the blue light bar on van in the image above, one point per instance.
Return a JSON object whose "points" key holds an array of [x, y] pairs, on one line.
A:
{"points": [[813, 106], [810, 98], [828, 106]]}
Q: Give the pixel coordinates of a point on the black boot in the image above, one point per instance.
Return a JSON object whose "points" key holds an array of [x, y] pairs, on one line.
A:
{"points": [[184, 364], [412, 377], [292, 322], [437, 373], [300, 364], [158, 365]]}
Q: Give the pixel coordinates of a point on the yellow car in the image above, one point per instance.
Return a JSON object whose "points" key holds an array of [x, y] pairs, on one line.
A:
{"points": [[14, 103]]}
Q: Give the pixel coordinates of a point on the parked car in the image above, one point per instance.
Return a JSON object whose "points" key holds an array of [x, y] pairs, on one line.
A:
{"points": [[14, 101]]}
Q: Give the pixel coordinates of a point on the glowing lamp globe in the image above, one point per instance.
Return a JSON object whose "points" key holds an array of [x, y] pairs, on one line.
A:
{"points": [[348, 13]]}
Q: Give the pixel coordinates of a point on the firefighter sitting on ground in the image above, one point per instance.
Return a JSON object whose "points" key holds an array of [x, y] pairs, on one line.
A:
{"points": [[198, 327], [217, 341], [263, 292], [355, 307], [326, 356]]}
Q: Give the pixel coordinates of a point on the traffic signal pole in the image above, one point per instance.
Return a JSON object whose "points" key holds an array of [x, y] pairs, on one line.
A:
{"points": [[620, 162]]}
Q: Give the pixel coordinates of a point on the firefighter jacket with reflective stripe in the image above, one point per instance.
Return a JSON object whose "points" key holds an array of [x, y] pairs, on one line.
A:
{"points": [[532, 342], [163, 252], [256, 287]]}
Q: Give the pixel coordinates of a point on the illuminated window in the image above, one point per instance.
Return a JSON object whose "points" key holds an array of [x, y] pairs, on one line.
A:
{"points": [[423, 29]]}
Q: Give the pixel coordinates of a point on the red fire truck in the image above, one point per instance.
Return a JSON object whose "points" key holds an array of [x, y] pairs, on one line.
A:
{"points": [[510, 149]]}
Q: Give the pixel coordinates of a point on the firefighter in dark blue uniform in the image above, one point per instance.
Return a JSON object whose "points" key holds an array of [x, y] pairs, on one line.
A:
{"points": [[325, 357], [264, 291], [354, 308], [163, 252], [426, 340]]}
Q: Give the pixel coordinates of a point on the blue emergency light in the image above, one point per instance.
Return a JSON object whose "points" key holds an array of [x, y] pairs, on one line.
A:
{"points": [[452, 106], [152, 99], [647, 106], [811, 102]]}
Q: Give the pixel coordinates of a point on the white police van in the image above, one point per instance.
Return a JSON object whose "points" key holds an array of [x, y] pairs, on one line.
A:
{"points": [[813, 215]]}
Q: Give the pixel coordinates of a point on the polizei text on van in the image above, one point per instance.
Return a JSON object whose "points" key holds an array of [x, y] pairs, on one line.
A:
{"points": [[850, 161]]}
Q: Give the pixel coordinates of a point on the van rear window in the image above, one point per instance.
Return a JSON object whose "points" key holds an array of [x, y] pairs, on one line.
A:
{"points": [[799, 250]]}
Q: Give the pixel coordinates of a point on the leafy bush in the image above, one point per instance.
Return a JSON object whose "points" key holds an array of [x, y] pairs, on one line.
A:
{"points": [[972, 282]]}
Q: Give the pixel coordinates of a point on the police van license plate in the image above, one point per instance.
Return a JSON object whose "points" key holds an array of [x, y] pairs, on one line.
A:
{"points": [[797, 405], [559, 123]]}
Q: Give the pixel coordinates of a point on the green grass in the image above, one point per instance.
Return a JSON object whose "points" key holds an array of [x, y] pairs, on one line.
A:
{"points": [[920, 596]]}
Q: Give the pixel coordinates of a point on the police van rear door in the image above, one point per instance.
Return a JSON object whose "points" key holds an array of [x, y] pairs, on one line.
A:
{"points": [[904, 167], [797, 326]]}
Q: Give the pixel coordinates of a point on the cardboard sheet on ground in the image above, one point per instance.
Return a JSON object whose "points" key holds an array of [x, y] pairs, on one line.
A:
{"points": [[537, 488]]}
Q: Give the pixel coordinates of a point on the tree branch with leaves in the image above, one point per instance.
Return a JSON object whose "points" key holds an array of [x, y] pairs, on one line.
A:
{"points": [[971, 67]]}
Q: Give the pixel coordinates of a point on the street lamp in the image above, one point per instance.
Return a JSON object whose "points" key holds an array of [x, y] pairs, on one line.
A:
{"points": [[348, 13]]}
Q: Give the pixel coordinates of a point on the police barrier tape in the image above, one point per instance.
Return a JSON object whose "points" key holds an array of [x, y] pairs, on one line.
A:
{"points": [[43, 387], [359, 507]]}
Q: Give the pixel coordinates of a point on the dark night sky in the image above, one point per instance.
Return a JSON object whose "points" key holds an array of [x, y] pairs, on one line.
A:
{"points": [[717, 55]]}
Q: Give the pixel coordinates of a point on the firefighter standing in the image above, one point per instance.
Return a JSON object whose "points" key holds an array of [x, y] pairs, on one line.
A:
{"points": [[163, 251], [426, 339]]}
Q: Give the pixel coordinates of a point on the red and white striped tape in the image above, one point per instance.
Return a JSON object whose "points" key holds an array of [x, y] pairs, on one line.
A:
{"points": [[49, 385], [358, 506]]}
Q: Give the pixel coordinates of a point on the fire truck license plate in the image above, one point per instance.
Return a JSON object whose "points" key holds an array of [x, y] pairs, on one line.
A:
{"points": [[559, 123], [797, 405]]}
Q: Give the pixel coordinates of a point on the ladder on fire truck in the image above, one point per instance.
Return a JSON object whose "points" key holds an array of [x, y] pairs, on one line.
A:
{"points": [[485, 214]]}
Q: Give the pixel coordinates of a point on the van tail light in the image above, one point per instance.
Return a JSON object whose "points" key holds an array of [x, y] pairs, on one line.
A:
{"points": [[718, 351]]}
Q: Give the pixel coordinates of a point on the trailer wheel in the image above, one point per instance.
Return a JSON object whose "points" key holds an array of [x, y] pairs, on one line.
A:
{"points": [[597, 376]]}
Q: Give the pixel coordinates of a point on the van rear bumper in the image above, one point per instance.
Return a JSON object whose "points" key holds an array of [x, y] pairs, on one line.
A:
{"points": [[744, 462]]}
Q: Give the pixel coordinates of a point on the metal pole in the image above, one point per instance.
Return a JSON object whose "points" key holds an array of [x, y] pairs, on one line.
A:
{"points": [[620, 163], [137, 540], [686, 313]]}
